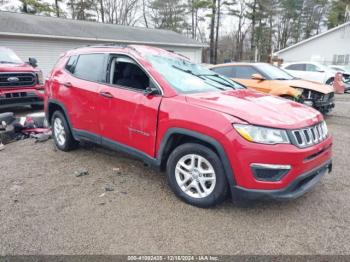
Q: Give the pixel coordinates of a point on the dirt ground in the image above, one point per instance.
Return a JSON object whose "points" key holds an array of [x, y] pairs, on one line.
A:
{"points": [[46, 209]]}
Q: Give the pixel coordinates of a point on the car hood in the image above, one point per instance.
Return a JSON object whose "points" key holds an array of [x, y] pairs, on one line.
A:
{"points": [[258, 108], [324, 89], [16, 68]]}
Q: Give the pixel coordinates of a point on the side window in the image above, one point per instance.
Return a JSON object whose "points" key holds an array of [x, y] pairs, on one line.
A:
{"points": [[91, 67], [227, 71], [72, 61], [245, 72], [311, 68], [127, 73], [297, 67]]}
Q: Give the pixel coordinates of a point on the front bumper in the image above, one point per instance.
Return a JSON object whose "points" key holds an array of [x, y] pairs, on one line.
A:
{"points": [[21, 97], [295, 189]]}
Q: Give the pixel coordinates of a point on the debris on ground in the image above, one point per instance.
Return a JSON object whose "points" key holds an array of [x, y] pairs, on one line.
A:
{"points": [[42, 137], [117, 170], [102, 195], [81, 173], [109, 188], [2, 146], [31, 126]]}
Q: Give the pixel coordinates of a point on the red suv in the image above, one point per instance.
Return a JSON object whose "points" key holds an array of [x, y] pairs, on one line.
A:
{"points": [[210, 134], [20, 83]]}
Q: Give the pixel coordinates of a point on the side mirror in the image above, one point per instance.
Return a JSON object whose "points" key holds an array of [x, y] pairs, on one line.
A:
{"points": [[258, 77], [33, 62], [151, 91]]}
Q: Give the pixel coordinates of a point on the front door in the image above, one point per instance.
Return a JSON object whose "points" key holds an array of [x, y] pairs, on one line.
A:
{"points": [[128, 117]]}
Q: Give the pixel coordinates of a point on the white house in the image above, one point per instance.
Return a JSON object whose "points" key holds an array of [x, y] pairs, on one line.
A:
{"points": [[330, 47], [45, 38]]}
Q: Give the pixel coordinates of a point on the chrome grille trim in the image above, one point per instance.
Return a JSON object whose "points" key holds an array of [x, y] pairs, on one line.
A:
{"points": [[24, 79], [308, 136]]}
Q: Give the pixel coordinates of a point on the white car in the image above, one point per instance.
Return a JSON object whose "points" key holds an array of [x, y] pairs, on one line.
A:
{"points": [[311, 71]]}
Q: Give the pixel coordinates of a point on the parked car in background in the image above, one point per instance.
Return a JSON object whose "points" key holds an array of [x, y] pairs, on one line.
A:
{"points": [[20, 83], [275, 81], [210, 134], [311, 71]]}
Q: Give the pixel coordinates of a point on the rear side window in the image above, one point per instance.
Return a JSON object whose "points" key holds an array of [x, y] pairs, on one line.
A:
{"points": [[245, 72], [227, 71], [91, 67], [297, 67], [72, 61]]}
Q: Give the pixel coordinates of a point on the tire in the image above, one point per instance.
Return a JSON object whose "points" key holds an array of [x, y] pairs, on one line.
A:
{"points": [[61, 132], [215, 182], [330, 81], [37, 107]]}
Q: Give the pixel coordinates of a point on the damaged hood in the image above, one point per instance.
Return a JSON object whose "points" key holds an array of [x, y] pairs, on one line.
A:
{"points": [[258, 108], [298, 83]]}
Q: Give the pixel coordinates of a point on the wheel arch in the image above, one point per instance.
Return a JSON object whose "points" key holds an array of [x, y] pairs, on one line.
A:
{"points": [[178, 136], [54, 105]]}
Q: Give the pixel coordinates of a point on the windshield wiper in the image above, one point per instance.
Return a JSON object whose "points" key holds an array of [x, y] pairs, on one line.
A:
{"points": [[199, 76], [228, 84]]}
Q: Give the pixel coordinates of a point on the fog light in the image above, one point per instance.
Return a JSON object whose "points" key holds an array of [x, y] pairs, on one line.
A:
{"points": [[308, 103], [269, 172]]}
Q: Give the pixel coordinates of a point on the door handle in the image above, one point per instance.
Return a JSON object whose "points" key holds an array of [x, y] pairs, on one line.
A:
{"points": [[67, 84], [106, 94]]}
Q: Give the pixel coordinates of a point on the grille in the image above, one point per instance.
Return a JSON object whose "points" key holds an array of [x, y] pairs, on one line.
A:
{"points": [[24, 79], [310, 135]]}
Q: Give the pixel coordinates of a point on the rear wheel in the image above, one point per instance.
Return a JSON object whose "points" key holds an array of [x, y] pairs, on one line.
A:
{"points": [[62, 134], [196, 175]]}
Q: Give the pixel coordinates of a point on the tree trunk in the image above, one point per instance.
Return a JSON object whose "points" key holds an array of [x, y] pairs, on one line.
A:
{"points": [[212, 33], [144, 13], [57, 8], [217, 33], [252, 41], [102, 11]]}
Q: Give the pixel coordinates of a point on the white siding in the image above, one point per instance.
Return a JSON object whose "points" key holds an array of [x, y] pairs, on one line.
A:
{"points": [[320, 49], [47, 51]]}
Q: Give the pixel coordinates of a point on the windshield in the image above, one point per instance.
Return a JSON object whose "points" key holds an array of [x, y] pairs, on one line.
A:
{"points": [[274, 73], [187, 77], [8, 56]]}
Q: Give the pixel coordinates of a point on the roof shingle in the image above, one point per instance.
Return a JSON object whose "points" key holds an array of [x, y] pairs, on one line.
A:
{"points": [[24, 24]]}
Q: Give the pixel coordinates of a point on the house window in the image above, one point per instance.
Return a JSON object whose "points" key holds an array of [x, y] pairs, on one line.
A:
{"points": [[341, 59]]}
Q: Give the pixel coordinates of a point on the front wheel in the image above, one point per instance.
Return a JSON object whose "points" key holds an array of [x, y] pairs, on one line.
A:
{"points": [[61, 132], [196, 175]]}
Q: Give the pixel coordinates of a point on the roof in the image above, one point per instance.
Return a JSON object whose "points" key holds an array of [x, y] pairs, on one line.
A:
{"points": [[17, 24], [313, 38]]}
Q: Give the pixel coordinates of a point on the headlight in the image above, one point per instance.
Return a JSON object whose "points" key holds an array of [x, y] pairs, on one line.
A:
{"points": [[40, 77], [262, 135]]}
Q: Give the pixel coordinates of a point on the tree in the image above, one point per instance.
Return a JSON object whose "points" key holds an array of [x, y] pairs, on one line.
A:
{"points": [[35, 7], [339, 13], [168, 14]]}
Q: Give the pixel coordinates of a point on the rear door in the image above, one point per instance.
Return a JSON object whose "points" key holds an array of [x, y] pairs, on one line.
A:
{"points": [[79, 89], [128, 117]]}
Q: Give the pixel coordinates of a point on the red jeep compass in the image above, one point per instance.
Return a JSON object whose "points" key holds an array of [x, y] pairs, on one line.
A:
{"points": [[210, 134], [20, 83]]}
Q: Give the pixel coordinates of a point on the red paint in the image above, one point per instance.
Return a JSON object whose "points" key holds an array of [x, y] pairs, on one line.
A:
{"points": [[139, 121]]}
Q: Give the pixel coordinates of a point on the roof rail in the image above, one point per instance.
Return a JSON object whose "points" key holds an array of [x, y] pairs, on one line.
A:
{"points": [[107, 45]]}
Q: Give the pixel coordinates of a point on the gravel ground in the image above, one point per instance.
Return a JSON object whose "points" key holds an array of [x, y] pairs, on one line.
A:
{"points": [[46, 209]]}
